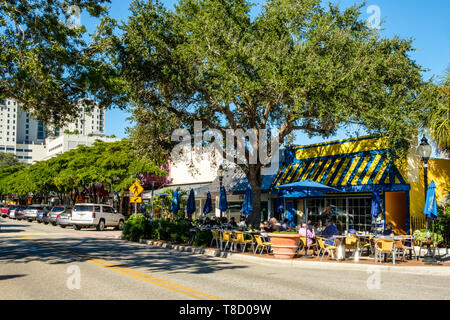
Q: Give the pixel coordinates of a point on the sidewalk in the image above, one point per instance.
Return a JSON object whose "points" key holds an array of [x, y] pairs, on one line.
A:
{"points": [[412, 267]]}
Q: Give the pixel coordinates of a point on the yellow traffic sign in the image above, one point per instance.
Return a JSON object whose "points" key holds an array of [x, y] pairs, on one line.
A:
{"points": [[136, 189], [135, 199]]}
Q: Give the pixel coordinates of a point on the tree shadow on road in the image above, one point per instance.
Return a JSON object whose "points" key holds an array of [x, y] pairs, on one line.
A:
{"points": [[117, 252]]}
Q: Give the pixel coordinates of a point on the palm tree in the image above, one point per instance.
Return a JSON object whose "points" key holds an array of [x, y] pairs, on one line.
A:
{"points": [[440, 120]]}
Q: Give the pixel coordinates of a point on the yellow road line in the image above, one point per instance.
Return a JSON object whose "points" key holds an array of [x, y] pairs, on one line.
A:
{"points": [[129, 272]]}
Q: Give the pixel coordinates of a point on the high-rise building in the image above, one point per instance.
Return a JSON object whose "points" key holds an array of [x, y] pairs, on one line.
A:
{"points": [[26, 137]]}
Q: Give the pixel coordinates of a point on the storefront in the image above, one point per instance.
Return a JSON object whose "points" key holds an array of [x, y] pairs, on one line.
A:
{"points": [[358, 167]]}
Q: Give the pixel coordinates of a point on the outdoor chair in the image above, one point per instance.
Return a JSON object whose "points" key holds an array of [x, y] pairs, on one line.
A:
{"points": [[240, 240], [304, 244], [365, 244], [216, 237], [351, 244], [262, 244], [383, 247], [403, 248], [226, 237], [325, 248]]}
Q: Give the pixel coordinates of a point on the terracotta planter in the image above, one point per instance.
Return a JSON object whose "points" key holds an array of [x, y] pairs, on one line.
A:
{"points": [[284, 245]]}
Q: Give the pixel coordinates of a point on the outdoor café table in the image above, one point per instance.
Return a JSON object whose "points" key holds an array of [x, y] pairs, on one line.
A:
{"points": [[340, 244]]}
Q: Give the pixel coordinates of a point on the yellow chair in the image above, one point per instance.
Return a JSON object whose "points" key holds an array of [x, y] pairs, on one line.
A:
{"points": [[262, 244], [216, 236], [325, 248], [226, 236], [240, 239], [351, 243], [385, 247], [365, 244], [304, 244]]}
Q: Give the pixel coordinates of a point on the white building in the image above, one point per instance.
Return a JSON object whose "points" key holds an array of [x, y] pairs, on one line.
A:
{"points": [[66, 142], [29, 140]]}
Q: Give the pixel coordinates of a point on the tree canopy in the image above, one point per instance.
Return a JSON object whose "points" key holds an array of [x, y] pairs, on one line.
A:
{"points": [[439, 122], [112, 164], [297, 66], [8, 160], [46, 63]]}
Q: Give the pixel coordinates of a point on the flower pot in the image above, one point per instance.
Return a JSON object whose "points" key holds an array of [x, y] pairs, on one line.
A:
{"points": [[284, 245]]}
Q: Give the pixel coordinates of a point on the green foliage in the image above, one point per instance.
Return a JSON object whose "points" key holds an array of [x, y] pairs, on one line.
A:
{"points": [[8, 160], [136, 228], [422, 235], [114, 164], [158, 229], [439, 122], [45, 62], [443, 220], [203, 238]]}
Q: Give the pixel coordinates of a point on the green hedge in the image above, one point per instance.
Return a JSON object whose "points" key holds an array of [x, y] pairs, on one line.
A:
{"points": [[158, 229]]}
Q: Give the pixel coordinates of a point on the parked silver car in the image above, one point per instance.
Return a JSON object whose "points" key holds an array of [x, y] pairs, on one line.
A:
{"points": [[64, 218], [100, 216], [53, 214], [32, 211]]}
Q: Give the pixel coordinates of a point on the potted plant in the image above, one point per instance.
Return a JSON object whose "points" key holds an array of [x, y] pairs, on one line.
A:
{"points": [[284, 244]]}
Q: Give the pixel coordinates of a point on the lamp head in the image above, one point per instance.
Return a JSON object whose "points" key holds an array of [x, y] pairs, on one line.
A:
{"points": [[424, 150]]}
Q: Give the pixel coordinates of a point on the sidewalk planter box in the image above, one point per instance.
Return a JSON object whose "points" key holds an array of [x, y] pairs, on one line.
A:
{"points": [[284, 245]]}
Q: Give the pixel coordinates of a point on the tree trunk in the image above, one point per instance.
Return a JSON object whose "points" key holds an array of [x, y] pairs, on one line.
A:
{"points": [[254, 179]]}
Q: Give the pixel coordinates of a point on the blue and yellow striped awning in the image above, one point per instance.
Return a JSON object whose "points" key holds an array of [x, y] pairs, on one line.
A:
{"points": [[359, 171]]}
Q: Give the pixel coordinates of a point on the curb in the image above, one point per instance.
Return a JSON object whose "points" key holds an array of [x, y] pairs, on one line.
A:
{"points": [[425, 270]]}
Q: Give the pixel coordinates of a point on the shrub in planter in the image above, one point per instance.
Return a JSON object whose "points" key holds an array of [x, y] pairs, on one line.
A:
{"points": [[203, 238], [136, 228], [422, 235]]}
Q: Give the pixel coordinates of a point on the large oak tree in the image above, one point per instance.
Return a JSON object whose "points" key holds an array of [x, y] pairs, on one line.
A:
{"points": [[296, 66]]}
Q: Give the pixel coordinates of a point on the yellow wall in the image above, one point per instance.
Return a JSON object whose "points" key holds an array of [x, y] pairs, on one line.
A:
{"points": [[439, 172], [396, 211]]}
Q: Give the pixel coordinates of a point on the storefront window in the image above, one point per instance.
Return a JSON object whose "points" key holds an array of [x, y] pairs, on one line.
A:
{"points": [[356, 209]]}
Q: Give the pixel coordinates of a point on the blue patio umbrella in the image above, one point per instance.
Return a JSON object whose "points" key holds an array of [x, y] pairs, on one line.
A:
{"points": [[431, 210], [247, 206], [376, 208], [175, 207], [207, 208], [190, 206], [309, 187], [223, 204]]}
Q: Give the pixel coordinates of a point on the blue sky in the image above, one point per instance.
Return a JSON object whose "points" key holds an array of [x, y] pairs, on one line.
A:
{"points": [[426, 22]]}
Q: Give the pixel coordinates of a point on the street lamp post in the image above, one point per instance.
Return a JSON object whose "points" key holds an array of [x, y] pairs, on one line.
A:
{"points": [[220, 174], [424, 150]]}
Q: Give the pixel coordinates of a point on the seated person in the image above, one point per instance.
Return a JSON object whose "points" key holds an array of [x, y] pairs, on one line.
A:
{"points": [[275, 226], [285, 225], [389, 231], [232, 222], [241, 223], [309, 234], [329, 232], [263, 231]]}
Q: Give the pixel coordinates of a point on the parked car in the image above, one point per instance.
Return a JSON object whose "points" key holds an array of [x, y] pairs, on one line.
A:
{"points": [[19, 213], [31, 212], [4, 211], [64, 219], [53, 214], [42, 216], [100, 216], [11, 212]]}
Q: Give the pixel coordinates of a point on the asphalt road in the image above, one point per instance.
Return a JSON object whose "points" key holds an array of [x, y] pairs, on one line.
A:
{"points": [[46, 262]]}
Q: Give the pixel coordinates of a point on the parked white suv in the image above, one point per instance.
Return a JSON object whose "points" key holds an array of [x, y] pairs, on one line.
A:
{"points": [[100, 216]]}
